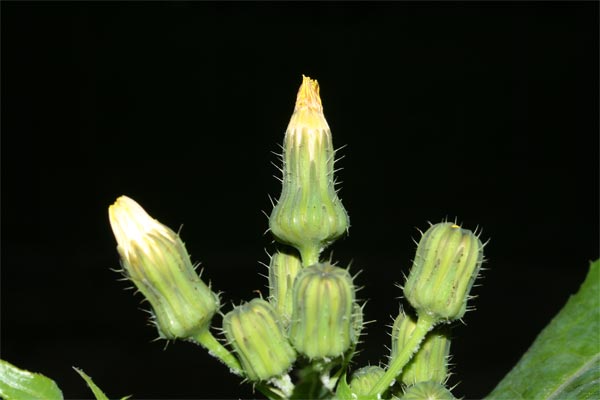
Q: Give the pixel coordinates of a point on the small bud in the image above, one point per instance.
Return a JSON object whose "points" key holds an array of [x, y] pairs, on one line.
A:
{"points": [[364, 379], [428, 391], [156, 261], [282, 271], [447, 262], [254, 333], [322, 318], [309, 215], [431, 360]]}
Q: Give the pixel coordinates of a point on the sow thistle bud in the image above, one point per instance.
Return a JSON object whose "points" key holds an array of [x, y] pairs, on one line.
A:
{"points": [[431, 360], [323, 306], [447, 262], [282, 271], [253, 331], [364, 379], [156, 261], [309, 215], [428, 391]]}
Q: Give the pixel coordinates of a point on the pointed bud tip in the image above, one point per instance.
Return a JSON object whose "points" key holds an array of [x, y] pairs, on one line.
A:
{"points": [[129, 221], [308, 95]]}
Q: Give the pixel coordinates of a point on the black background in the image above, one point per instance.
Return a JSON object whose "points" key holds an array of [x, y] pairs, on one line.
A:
{"points": [[483, 112]]}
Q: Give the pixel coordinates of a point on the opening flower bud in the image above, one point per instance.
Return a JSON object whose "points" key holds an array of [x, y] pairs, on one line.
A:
{"points": [[447, 262], [255, 334], [364, 379], [430, 363], [156, 261], [282, 271], [309, 215], [427, 390], [323, 312]]}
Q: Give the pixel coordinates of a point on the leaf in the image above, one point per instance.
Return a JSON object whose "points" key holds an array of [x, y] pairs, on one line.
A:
{"points": [[19, 384], [343, 391], [95, 389], [564, 360]]}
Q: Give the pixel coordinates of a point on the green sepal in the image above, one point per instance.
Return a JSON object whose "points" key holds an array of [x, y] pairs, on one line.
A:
{"points": [[283, 268], [255, 333], [343, 392], [445, 267], [363, 381], [427, 391], [322, 324], [19, 384]]}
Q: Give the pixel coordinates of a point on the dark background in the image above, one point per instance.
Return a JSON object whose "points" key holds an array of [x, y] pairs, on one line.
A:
{"points": [[483, 112]]}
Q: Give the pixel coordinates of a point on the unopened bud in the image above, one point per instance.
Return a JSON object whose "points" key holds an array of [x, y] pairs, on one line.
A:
{"points": [[447, 262], [430, 363], [427, 391], [156, 261], [364, 379], [309, 215], [282, 271], [322, 319], [255, 334]]}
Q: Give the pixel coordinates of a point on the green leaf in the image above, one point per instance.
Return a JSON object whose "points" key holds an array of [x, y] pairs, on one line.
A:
{"points": [[19, 384], [343, 391], [95, 389], [564, 360]]}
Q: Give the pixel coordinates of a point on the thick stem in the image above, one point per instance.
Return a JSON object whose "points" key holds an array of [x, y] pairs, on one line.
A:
{"points": [[216, 349], [424, 324]]}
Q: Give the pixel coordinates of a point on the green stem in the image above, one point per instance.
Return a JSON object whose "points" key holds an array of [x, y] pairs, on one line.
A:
{"points": [[424, 324], [309, 255], [216, 349]]}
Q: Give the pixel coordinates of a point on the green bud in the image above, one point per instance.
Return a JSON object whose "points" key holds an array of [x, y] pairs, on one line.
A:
{"points": [[427, 391], [430, 363], [309, 215], [322, 318], [282, 271], [447, 262], [255, 334], [156, 261], [364, 379]]}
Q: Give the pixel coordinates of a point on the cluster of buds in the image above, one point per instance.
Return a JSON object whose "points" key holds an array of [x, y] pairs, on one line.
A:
{"points": [[311, 311], [445, 267]]}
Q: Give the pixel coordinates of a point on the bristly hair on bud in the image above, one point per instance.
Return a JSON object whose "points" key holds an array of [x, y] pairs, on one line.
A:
{"points": [[427, 390], [325, 319], [309, 215], [155, 259], [445, 267], [364, 379], [430, 363], [283, 268], [254, 332]]}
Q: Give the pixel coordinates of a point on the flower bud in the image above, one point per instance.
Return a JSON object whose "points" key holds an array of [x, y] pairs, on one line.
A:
{"points": [[427, 390], [282, 271], [309, 215], [447, 262], [255, 334], [323, 306], [156, 261], [364, 379], [430, 363]]}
